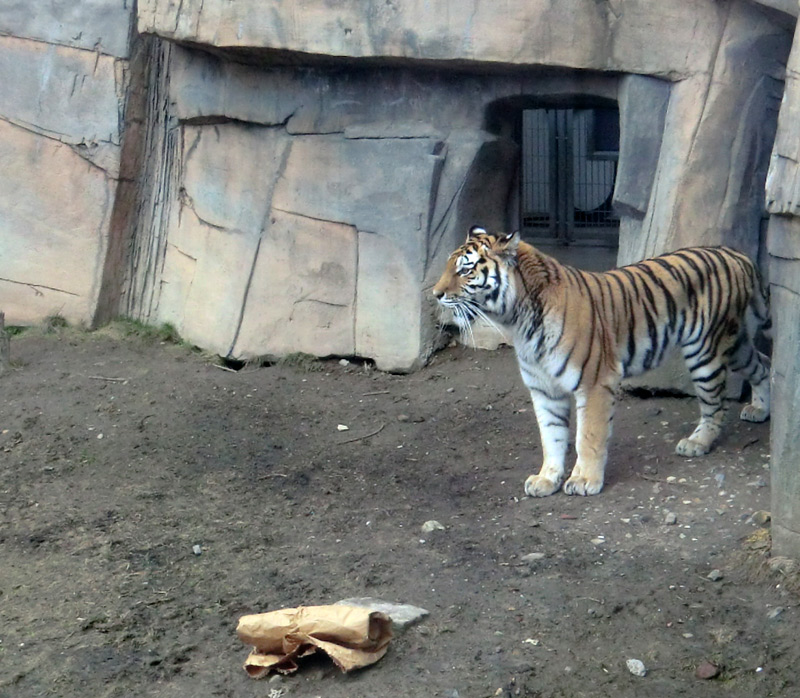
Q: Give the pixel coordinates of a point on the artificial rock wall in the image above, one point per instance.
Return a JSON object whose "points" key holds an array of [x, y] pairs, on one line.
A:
{"points": [[308, 209], [276, 177], [64, 78], [783, 202]]}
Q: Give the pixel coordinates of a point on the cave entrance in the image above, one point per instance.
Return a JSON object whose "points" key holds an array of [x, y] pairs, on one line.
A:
{"points": [[568, 169]]}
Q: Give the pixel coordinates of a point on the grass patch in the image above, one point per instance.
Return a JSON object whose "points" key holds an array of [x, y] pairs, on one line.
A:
{"points": [[165, 332], [302, 362], [54, 323], [16, 330]]}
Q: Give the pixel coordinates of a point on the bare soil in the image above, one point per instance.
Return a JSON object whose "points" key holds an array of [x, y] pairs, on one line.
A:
{"points": [[120, 454]]}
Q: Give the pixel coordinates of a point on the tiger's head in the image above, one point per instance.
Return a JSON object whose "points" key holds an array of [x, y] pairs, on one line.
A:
{"points": [[476, 281]]}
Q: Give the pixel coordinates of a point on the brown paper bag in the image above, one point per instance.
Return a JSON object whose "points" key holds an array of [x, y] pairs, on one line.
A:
{"points": [[353, 637]]}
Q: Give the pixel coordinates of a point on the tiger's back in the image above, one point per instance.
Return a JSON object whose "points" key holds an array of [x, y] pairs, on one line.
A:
{"points": [[580, 333], [627, 319]]}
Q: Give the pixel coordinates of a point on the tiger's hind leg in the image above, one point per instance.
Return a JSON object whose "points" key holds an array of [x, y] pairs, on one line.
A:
{"points": [[709, 376], [552, 414], [753, 366]]}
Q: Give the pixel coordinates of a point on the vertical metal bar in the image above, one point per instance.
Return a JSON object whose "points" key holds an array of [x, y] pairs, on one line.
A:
{"points": [[553, 198], [569, 177], [558, 118]]}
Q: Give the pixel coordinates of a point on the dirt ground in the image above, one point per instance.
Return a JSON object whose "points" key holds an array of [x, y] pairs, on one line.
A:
{"points": [[119, 454]]}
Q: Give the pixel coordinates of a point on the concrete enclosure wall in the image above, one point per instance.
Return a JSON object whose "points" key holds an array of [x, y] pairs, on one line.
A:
{"points": [[783, 202], [293, 180], [64, 76]]}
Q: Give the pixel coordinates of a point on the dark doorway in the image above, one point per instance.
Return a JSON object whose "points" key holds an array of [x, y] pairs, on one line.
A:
{"points": [[569, 165]]}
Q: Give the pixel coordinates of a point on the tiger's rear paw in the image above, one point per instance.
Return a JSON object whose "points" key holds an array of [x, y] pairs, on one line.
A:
{"points": [[751, 413], [690, 448], [582, 485], [540, 486]]}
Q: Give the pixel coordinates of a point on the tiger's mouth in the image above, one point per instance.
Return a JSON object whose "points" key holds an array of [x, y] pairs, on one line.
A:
{"points": [[462, 313]]}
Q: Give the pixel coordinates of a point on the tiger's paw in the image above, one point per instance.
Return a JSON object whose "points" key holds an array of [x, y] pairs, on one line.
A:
{"points": [[690, 448], [751, 413], [540, 486], [582, 485]]}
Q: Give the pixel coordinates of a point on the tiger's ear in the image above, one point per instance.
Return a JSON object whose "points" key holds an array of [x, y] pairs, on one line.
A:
{"points": [[509, 242], [474, 231]]}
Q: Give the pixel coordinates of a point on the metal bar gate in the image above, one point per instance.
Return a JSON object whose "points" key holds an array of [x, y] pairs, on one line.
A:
{"points": [[568, 173]]}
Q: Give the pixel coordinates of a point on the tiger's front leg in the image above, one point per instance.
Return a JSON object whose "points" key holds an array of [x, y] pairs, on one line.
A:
{"points": [[552, 414], [595, 409]]}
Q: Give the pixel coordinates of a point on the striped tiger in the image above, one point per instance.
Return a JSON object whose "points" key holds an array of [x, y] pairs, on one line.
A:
{"points": [[580, 333]]}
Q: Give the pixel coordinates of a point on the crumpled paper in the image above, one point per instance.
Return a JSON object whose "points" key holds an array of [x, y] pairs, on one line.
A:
{"points": [[352, 637]]}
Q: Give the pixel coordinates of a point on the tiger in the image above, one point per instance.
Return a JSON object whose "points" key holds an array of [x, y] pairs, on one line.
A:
{"points": [[580, 333]]}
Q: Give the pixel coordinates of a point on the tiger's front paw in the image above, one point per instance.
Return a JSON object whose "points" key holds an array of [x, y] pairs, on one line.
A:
{"points": [[582, 485], [690, 448], [540, 486], [751, 413]]}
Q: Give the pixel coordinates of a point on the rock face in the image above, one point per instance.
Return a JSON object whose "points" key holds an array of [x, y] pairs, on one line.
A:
{"points": [[64, 82], [309, 210], [292, 177], [783, 203], [636, 36]]}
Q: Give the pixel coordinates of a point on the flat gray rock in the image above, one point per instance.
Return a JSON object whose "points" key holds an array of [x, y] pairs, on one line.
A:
{"points": [[402, 614]]}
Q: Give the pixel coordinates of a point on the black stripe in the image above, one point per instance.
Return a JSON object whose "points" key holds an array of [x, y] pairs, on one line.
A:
{"points": [[707, 379], [672, 307], [652, 333], [563, 368], [687, 256]]}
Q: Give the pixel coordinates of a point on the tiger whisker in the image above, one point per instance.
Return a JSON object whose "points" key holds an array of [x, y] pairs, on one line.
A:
{"points": [[488, 321], [465, 327]]}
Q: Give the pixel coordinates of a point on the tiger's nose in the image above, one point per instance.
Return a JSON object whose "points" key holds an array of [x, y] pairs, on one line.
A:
{"points": [[437, 293]]}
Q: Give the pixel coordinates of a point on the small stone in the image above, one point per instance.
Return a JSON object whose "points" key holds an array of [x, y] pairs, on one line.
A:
{"points": [[598, 541], [403, 418], [761, 518], [706, 670], [723, 635], [636, 667], [197, 550], [773, 613], [670, 518], [715, 575], [342, 427], [344, 362], [533, 557], [432, 525]]}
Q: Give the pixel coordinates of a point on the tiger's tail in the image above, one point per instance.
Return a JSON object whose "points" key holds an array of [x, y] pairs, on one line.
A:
{"points": [[758, 315]]}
